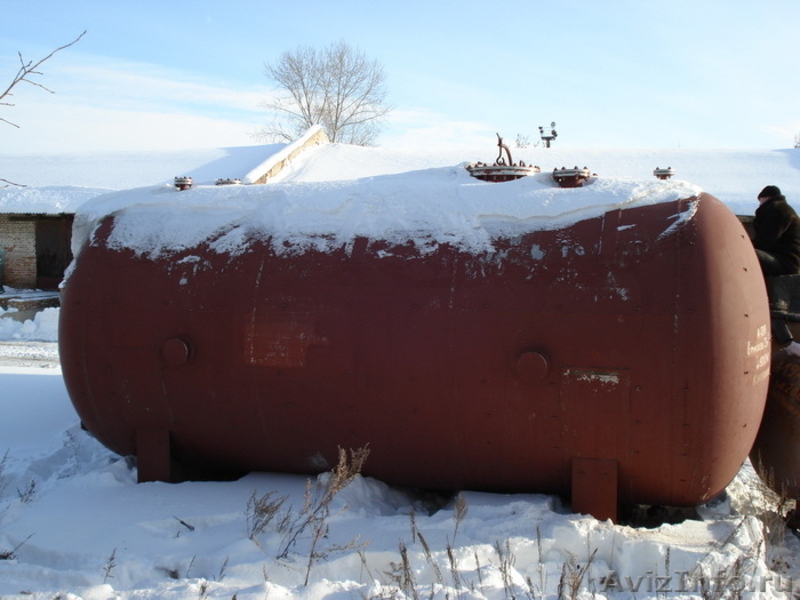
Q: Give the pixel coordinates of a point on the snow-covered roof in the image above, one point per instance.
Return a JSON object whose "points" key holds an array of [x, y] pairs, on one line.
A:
{"points": [[49, 200], [125, 170], [55, 184]]}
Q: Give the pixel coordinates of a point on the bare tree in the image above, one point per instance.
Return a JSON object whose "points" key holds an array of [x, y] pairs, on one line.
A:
{"points": [[27, 70], [338, 88]]}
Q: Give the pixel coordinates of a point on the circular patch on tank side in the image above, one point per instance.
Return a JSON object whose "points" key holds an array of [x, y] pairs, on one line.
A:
{"points": [[175, 352], [531, 366]]}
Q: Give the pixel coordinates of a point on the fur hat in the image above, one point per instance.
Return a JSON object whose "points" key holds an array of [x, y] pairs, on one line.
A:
{"points": [[771, 191]]}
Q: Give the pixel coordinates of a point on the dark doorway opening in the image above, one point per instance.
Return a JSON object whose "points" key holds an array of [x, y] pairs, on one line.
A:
{"points": [[53, 252]]}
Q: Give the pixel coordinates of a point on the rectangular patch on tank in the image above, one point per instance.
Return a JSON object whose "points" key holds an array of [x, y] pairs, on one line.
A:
{"points": [[280, 342]]}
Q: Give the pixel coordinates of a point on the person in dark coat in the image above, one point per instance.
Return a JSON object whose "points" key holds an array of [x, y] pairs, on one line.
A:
{"points": [[777, 234]]}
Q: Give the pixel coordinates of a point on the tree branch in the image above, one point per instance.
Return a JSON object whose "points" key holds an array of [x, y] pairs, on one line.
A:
{"points": [[28, 69], [7, 182]]}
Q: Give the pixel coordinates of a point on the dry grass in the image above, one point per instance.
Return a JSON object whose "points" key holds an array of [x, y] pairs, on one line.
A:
{"points": [[261, 511], [572, 576], [269, 512]]}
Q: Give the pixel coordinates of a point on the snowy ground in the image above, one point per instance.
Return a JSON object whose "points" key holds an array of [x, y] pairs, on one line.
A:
{"points": [[29, 354], [75, 524], [28, 342]]}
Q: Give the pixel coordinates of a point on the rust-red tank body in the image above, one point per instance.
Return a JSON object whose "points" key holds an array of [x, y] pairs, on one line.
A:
{"points": [[637, 339]]}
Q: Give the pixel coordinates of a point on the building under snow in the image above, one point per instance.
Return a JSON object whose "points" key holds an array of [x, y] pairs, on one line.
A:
{"points": [[37, 210]]}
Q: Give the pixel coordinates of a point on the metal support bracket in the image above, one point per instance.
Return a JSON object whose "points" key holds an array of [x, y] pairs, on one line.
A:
{"points": [[153, 455], [595, 487]]}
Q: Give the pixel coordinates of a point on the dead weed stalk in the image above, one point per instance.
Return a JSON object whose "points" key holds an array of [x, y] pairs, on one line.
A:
{"points": [[572, 576]]}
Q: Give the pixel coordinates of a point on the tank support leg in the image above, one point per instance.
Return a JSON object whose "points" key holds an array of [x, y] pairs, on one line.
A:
{"points": [[153, 455], [594, 487]]}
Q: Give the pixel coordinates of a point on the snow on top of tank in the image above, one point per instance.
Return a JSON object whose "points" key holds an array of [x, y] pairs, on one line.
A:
{"points": [[428, 207]]}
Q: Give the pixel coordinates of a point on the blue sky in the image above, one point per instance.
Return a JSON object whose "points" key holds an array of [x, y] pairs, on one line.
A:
{"points": [[612, 73]]}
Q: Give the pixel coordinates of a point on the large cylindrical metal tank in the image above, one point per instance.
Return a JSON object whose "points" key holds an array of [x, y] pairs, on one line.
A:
{"points": [[638, 340]]}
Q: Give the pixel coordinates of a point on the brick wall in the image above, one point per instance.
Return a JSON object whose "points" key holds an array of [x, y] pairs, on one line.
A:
{"points": [[18, 241]]}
